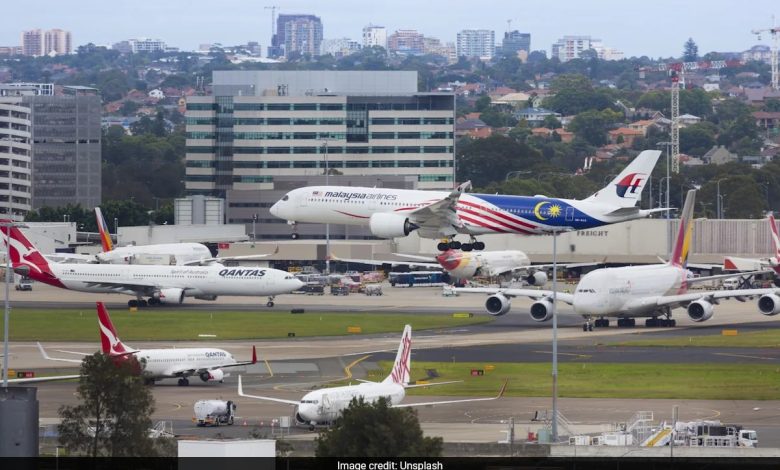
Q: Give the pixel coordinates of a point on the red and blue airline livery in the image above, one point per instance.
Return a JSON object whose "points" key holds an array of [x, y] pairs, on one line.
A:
{"points": [[394, 213]]}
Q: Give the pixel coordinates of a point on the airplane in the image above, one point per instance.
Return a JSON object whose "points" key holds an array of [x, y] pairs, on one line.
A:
{"points": [[627, 293], [391, 213], [181, 363], [733, 263], [322, 406], [161, 284], [468, 265]]}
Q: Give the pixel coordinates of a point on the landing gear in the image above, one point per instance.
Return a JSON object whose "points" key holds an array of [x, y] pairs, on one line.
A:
{"points": [[153, 301], [602, 323], [270, 302], [183, 382], [148, 381], [626, 322], [588, 325], [446, 244], [294, 235], [132, 303], [473, 245], [143, 303], [662, 322]]}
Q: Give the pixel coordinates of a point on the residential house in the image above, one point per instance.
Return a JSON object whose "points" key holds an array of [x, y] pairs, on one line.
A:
{"points": [[535, 116], [472, 128], [689, 120], [767, 119], [718, 155], [156, 94], [628, 136], [546, 133], [642, 126]]}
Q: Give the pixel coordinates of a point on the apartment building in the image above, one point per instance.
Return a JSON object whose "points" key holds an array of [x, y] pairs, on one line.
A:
{"points": [[37, 42], [296, 33], [479, 43], [375, 36], [15, 159]]}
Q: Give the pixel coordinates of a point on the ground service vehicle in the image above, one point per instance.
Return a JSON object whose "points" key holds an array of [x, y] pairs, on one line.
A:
{"points": [[214, 412]]}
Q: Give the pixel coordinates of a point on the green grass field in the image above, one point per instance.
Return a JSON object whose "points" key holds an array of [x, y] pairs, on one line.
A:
{"points": [[165, 324], [769, 338], [679, 381]]}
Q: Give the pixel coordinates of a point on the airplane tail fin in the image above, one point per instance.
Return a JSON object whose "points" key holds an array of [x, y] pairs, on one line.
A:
{"points": [[403, 362], [775, 236], [109, 340], [682, 244], [626, 189], [105, 234], [25, 257]]}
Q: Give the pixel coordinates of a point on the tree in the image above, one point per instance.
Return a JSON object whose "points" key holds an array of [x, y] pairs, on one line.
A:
{"points": [[113, 418], [592, 125], [377, 430], [486, 160], [690, 51]]}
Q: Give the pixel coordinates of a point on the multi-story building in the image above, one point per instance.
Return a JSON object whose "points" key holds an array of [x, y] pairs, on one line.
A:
{"points": [[406, 41], [570, 47], [32, 42], [515, 41], [265, 132], [15, 159], [479, 43], [23, 88], [296, 33], [375, 36], [146, 45], [57, 42], [340, 47], [66, 152]]}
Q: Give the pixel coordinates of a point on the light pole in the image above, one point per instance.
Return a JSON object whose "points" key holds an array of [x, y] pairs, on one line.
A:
{"points": [[116, 229], [668, 215], [720, 203], [555, 338], [327, 226], [8, 269]]}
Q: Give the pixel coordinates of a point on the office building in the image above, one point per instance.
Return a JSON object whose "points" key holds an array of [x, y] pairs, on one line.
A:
{"points": [[476, 43], [514, 42], [66, 153], [375, 36], [265, 131], [15, 159], [57, 42], [296, 33]]}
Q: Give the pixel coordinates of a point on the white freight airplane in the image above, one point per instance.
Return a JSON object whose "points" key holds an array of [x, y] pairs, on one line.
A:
{"points": [[650, 291], [161, 284], [468, 265], [324, 405], [394, 213], [206, 363], [732, 263]]}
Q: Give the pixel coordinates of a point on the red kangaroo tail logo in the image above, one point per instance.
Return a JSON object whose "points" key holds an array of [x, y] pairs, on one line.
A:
{"points": [[109, 340], [26, 256], [629, 184], [775, 236], [402, 366]]}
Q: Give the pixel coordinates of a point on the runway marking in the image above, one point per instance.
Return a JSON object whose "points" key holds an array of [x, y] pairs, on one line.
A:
{"points": [[581, 356], [745, 356], [270, 371], [348, 368], [177, 406], [717, 413]]}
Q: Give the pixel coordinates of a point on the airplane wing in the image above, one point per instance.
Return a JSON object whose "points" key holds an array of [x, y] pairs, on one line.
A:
{"points": [[446, 402], [441, 216], [712, 296], [48, 358], [535, 294], [222, 259], [277, 400], [238, 364], [538, 267], [732, 263], [43, 379], [694, 280], [70, 258]]}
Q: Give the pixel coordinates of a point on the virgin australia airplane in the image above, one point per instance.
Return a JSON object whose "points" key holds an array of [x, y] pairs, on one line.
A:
{"points": [[394, 213], [631, 292]]}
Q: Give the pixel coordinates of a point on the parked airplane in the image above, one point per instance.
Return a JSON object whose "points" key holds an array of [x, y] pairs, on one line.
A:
{"points": [[161, 284], [206, 363], [324, 405], [394, 213], [733, 263], [468, 265], [650, 291]]}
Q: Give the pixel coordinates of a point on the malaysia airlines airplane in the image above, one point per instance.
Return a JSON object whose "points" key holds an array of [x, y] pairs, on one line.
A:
{"points": [[468, 265], [650, 291], [206, 363], [324, 405], [161, 284], [733, 263], [394, 213]]}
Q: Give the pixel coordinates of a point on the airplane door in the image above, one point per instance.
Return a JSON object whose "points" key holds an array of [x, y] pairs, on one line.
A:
{"points": [[569, 214]]}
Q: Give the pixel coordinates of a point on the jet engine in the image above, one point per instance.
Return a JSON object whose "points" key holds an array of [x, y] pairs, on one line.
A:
{"points": [[385, 225], [215, 375], [769, 304], [541, 310], [497, 304], [539, 278], [700, 310], [172, 295]]}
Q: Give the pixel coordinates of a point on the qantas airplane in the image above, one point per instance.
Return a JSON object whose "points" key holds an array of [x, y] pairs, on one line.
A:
{"points": [[206, 363], [468, 265], [650, 291], [324, 405], [394, 213], [732, 263], [161, 284]]}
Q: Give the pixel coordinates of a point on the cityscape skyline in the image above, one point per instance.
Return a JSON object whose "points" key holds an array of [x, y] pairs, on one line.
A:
{"points": [[724, 26]]}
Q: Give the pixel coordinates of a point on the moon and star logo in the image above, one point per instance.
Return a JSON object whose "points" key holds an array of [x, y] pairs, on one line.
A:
{"points": [[552, 210]]}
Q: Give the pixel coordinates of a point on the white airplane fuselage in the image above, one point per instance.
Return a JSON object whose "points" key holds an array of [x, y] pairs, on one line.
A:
{"points": [[466, 265], [627, 291], [324, 405], [181, 253], [161, 363], [478, 213], [212, 280]]}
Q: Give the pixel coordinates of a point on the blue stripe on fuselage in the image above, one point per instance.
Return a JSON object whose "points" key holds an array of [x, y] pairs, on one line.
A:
{"points": [[525, 207]]}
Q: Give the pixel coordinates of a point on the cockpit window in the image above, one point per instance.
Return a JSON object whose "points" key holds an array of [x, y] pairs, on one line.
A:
{"points": [[286, 197]]}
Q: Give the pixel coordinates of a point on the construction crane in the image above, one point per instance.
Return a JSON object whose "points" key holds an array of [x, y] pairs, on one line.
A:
{"points": [[273, 9], [775, 32]]}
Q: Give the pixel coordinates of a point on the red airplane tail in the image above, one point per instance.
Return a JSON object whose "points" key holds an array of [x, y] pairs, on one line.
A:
{"points": [[109, 340], [25, 257]]}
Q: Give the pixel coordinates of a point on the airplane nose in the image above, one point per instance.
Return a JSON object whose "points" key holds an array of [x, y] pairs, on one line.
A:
{"points": [[297, 284], [275, 209]]}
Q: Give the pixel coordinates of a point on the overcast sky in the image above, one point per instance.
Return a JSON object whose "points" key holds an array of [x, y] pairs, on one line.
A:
{"points": [[656, 29]]}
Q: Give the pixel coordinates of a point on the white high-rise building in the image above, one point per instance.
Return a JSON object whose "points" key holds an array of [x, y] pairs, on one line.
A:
{"points": [[146, 45], [480, 43], [374, 36], [570, 47], [57, 42]]}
